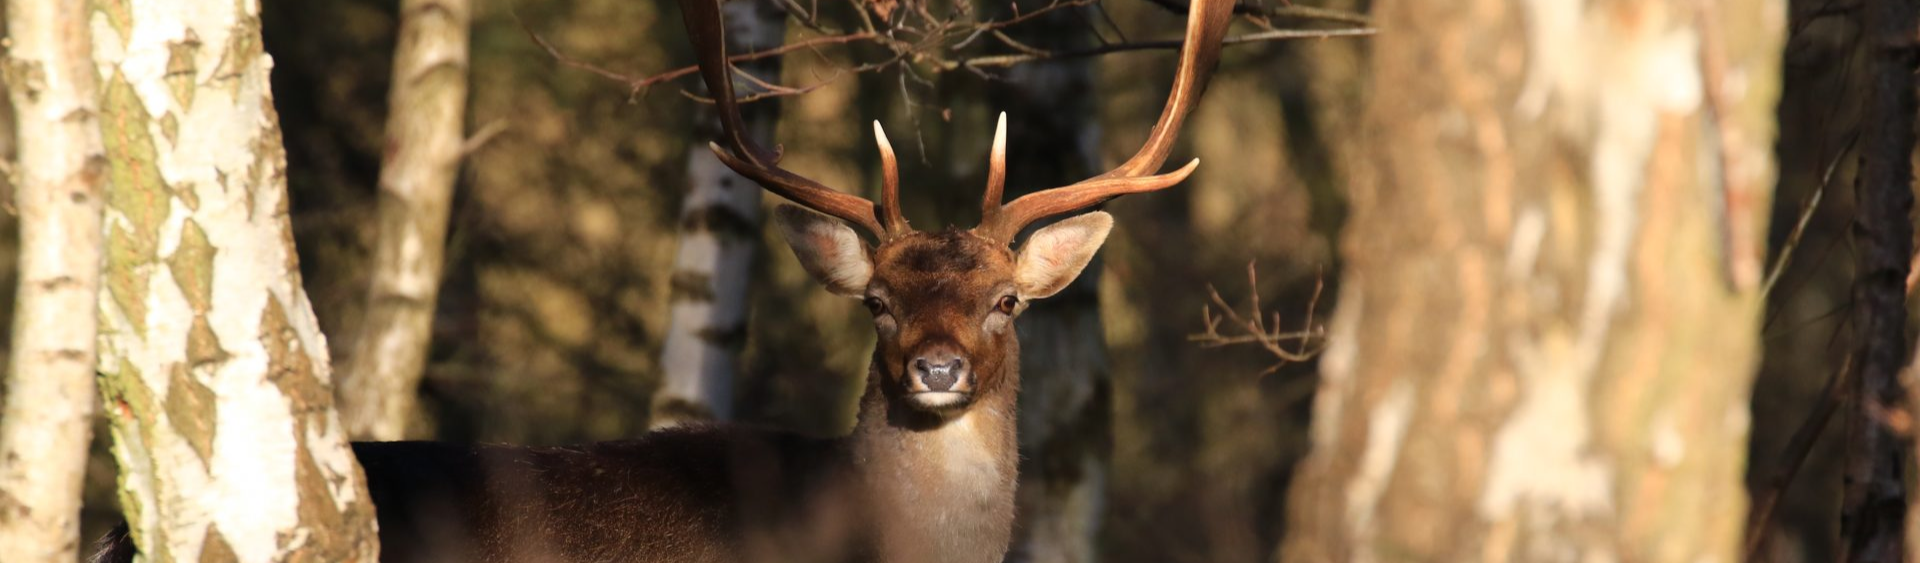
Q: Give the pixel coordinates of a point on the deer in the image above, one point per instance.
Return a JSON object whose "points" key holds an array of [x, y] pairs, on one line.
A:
{"points": [[928, 472]]}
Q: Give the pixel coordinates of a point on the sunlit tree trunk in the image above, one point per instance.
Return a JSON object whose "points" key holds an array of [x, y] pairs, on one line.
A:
{"points": [[1549, 317], [426, 114], [719, 232], [213, 369], [1065, 388], [46, 420]]}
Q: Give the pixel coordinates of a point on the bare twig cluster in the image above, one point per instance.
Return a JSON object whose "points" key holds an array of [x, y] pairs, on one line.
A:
{"points": [[1254, 328], [918, 40]]}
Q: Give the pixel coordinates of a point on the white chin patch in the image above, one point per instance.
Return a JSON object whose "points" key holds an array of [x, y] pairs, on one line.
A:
{"points": [[937, 399]]}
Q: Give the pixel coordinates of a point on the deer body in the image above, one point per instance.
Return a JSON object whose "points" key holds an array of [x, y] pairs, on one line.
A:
{"points": [[890, 491], [928, 472], [916, 480]]}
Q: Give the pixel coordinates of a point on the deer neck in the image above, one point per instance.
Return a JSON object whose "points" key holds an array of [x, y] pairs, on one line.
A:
{"points": [[940, 488]]}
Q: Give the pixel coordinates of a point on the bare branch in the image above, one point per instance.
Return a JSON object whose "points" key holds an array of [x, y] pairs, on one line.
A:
{"points": [[1253, 329]]}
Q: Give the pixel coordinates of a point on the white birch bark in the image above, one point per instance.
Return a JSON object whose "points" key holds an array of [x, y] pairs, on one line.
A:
{"points": [[719, 233], [46, 421], [425, 119], [212, 364]]}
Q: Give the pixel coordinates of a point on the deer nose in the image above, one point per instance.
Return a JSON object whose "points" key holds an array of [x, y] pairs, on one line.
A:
{"points": [[939, 371]]}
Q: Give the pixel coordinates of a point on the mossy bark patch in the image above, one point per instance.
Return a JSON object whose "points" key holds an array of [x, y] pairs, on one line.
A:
{"points": [[192, 410], [126, 276], [192, 266], [137, 193], [119, 15], [136, 189], [243, 46], [170, 128], [180, 68]]}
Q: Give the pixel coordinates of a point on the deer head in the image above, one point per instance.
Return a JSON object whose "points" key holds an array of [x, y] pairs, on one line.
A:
{"points": [[943, 303]]}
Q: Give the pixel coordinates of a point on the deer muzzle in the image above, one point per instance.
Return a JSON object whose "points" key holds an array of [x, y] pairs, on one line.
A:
{"points": [[939, 377]]}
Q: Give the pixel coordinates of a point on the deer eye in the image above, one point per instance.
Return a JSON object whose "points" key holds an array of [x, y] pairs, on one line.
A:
{"points": [[875, 305], [1006, 304]]}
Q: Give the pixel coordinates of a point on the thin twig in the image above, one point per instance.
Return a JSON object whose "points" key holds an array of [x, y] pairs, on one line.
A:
{"points": [[1806, 216], [1252, 8], [1256, 331]]}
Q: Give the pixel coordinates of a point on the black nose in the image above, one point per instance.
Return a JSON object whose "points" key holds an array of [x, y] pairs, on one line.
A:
{"points": [[939, 371]]}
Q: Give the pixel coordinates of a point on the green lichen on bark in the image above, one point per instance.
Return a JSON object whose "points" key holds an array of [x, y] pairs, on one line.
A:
{"points": [[192, 410], [180, 70], [136, 193], [192, 266], [243, 48], [119, 15], [130, 407], [126, 279], [170, 128]]}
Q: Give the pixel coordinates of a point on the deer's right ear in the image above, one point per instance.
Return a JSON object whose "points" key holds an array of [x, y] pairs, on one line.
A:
{"points": [[827, 248]]}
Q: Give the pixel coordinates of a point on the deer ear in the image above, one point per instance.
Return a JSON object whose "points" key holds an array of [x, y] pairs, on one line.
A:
{"points": [[827, 248], [1054, 255]]}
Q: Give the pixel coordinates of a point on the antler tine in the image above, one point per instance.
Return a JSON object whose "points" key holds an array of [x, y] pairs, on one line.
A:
{"points": [[708, 35], [1206, 26], [889, 184], [996, 172]]}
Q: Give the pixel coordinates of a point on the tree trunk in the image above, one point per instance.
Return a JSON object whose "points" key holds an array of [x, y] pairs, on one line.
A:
{"points": [[426, 114], [213, 369], [1873, 506], [719, 232], [1548, 323], [1065, 389], [46, 422]]}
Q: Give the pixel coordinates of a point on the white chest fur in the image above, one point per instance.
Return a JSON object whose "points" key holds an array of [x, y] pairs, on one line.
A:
{"points": [[952, 493]]}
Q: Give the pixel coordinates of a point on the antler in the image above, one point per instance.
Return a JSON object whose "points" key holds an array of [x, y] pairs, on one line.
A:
{"points": [[1206, 25], [708, 35]]}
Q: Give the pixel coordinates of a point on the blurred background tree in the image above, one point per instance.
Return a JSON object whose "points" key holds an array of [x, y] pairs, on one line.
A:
{"points": [[1551, 310]]}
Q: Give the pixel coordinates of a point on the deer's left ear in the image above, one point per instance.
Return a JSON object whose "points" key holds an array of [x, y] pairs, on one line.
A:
{"points": [[1054, 255]]}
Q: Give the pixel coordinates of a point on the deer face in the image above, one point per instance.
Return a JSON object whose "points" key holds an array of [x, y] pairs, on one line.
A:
{"points": [[943, 303]]}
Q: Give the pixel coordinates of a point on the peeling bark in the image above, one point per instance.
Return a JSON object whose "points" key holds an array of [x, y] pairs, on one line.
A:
{"points": [[1540, 351], [719, 233], [426, 114], [212, 366], [1065, 391], [46, 420]]}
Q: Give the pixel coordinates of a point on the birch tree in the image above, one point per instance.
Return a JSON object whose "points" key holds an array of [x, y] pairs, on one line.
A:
{"points": [[1547, 331], [426, 114], [212, 365], [46, 420], [719, 233], [1065, 387]]}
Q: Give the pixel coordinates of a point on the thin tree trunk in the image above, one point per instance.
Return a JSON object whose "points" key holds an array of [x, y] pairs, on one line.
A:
{"points": [[47, 419], [1874, 508], [426, 114], [1065, 389], [719, 232], [1548, 326], [213, 369]]}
